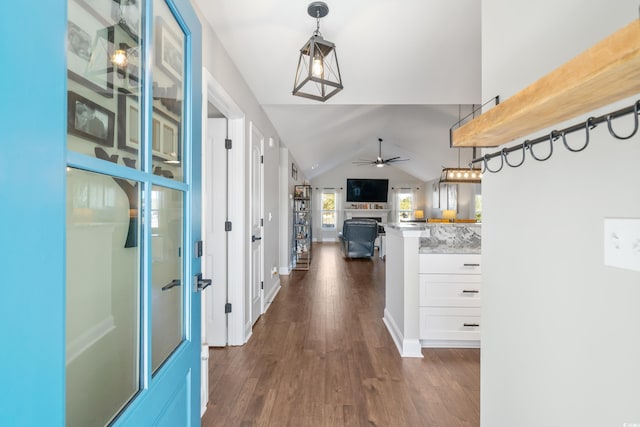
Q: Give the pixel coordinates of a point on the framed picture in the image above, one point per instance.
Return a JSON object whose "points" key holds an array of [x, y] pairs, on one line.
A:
{"points": [[165, 131], [89, 120], [170, 51], [165, 141], [435, 197], [89, 43], [294, 171], [128, 122]]}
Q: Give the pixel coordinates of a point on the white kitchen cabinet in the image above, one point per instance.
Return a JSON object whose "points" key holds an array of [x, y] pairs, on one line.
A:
{"points": [[450, 300]]}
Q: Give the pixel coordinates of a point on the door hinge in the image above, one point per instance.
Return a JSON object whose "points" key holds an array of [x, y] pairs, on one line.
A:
{"points": [[199, 249], [261, 222], [261, 159], [228, 144], [261, 285], [227, 226], [227, 308]]}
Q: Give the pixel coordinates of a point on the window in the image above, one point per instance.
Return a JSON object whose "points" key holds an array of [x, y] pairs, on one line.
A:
{"points": [[405, 206], [328, 209]]}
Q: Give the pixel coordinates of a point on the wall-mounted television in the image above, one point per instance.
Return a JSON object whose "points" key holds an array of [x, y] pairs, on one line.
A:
{"points": [[367, 190]]}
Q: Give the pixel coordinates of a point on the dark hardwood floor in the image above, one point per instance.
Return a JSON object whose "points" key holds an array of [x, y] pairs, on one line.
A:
{"points": [[321, 356]]}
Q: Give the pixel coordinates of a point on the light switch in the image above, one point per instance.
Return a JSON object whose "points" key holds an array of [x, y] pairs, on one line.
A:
{"points": [[622, 243]]}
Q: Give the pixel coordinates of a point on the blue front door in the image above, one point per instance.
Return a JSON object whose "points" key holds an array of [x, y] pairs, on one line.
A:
{"points": [[101, 169]]}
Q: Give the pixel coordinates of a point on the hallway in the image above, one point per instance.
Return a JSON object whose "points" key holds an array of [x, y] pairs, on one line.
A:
{"points": [[321, 356]]}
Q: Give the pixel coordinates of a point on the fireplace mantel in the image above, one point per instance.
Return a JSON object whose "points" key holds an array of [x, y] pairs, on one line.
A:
{"points": [[360, 213]]}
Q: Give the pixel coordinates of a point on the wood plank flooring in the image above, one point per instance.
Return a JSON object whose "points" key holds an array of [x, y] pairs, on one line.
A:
{"points": [[321, 356]]}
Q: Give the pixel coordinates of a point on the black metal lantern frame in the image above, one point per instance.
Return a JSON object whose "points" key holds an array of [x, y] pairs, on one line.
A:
{"points": [[318, 73]]}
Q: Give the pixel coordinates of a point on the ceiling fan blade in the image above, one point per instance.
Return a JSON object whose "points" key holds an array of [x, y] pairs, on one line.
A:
{"points": [[379, 161]]}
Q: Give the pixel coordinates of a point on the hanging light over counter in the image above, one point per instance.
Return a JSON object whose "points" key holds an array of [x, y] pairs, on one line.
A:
{"points": [[461, 176], [318, 74]]}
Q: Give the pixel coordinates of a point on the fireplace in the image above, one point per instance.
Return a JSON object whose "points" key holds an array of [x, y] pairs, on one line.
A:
{"points": [[380, 215]]}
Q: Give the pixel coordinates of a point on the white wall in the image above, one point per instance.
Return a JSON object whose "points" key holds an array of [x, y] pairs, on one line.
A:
{"points": [[560, 340], [217, 61]]}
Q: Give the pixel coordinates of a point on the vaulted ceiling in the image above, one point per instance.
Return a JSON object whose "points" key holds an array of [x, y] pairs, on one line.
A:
{"points": [[406, 66]]}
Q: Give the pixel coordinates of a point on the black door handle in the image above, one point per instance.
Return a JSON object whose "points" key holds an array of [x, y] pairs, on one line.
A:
{"points": [[254, 238], [172, 284], [200, 283]]}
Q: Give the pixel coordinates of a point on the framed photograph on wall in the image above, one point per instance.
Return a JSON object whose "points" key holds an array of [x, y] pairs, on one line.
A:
{"points": [[89, 120], [128, 122], [294, 171], [170, 51], [165, 140], [89, 43]]}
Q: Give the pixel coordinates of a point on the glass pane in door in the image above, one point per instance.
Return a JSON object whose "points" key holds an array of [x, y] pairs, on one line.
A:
{"points": [[103, 297], [168, 94], [105, 74], [166, 273]]}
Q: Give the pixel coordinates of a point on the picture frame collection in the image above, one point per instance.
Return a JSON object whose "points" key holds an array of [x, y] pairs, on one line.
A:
{"points": [[103, 98]]}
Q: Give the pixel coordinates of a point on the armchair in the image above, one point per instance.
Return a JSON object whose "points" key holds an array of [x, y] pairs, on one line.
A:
{"points": [[357, 237]]}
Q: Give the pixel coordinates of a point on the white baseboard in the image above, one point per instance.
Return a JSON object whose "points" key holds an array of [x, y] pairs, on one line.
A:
{"points": [[248, 331], [284, 271], [268, 299], [406, 347], [449, 344]]}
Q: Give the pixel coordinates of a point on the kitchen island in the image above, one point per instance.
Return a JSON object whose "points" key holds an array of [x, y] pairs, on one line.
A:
{"points": [[432, 285]]}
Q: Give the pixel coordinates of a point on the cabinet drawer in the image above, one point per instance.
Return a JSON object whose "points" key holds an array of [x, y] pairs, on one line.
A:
{"points": [[455, 290], [457, 324], [450, 263]]}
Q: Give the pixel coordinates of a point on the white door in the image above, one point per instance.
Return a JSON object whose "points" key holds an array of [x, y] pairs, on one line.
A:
{"points": [[214, 217], [255, 294]]}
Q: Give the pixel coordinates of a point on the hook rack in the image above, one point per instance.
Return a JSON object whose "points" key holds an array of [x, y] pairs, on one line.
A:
{"points": [[588, 125]]}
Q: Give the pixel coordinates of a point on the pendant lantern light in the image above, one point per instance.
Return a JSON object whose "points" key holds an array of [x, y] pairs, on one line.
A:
{"points": [[318, 74]]}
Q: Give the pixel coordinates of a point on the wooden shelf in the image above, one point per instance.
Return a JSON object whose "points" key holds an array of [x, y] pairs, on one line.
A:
{"points": [[603, 74]]}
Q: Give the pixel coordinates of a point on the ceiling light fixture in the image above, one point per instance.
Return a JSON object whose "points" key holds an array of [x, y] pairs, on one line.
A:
{"points": [[318, 74], [460, 175]]}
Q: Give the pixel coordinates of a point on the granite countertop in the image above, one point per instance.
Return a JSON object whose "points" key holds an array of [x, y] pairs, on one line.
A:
{"points": [[445, 238]]}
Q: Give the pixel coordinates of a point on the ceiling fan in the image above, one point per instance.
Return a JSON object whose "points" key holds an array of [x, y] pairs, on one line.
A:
{"points": [[379, 161]]}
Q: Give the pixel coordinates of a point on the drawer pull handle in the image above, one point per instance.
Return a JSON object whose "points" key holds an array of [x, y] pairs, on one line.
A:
{"points": [[471, 325], [470, 291], [471, 265]]}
